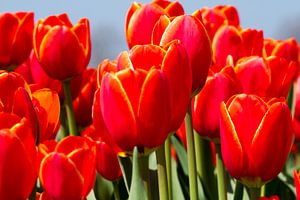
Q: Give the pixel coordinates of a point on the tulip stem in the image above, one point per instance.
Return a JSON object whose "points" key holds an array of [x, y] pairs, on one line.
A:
{"points": [[238, 191], [221, 174], [254, 193], [144, 171], [162, 173], [191, 156], [116, 190], [205, 167], [69, 108], [168, 165]]}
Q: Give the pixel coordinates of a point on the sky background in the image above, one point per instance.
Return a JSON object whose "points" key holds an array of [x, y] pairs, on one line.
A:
{"points": [[278, 19]]}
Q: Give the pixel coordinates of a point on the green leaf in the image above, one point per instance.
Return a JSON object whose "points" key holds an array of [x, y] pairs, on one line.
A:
{"points": [[137, 189], [177, 193], [201, 193], [103, 188], [181, 153]]}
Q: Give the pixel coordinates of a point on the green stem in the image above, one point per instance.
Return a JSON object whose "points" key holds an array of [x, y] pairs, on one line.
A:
{"points": [[144, 171], [116, 190], [63, 125], [263, 191], [239, 191], [254, 193], [69, 109], [162, 173], [168, 164], [221, 175], [33, 193], [191, 156], [205, 167]]}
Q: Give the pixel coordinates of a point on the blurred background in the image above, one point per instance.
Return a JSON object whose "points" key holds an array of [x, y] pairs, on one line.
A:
{"points": [[278, 19]]}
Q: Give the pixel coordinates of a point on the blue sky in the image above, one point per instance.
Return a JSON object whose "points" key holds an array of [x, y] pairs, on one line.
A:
{"points": [[107, 17]]}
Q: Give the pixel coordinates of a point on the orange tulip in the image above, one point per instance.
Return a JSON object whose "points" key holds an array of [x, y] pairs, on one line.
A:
{"points": [[246, 144], [47, 108], [62, 49], [141, 19], [18, 157], [69, 171], [192, 34], [15, 38]]}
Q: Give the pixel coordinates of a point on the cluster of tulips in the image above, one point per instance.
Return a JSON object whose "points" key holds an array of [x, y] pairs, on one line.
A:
{"points": [[198, 108]]}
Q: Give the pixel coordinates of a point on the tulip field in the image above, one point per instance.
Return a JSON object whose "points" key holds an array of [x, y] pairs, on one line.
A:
{"points": [[197, 107]]}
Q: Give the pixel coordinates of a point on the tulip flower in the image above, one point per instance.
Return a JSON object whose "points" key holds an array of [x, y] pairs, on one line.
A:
{"points": [[141, 19], [69, 171], [33, 73], [214, 18], [15, 38], [254, 75], [219, 87], [192, 34], [107, 163], [15, 97], [297, 183], [18, 157], [250, 129], [296, 120], [82, 103], [47, 107], [128, 98], [287, 49], [63, 50]]}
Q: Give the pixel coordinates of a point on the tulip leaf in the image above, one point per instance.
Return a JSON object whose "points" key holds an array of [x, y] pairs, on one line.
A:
{"points": [[201, 193], [103, 188], [177, 193], [181, 153], [126, 167], [280, 186], [137, 189]]}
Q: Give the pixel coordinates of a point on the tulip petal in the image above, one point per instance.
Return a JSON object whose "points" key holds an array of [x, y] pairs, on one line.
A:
{"points": [[176, 67], [85, 162], [60, 178], [232, 150], [17, 172], [115, 102], [274, 133], [146, 56], [153, 112], [82, 31], [159, 29]]}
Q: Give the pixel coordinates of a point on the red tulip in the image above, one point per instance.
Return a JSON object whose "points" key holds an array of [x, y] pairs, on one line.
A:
{"points": [[254, 75], [62, 49], [296, 120], [250, 129], [227, 41], [128, 98], [253, 42], [107, 163], [297, 183], [69, 171], [192, 34], [47, 108], [287, 49], [18, 157], [15, 37], [274, 197], [33, 73], [141, 19], [283, 73], [214, 18], [82, 103], [15, 97], [219, 87]]}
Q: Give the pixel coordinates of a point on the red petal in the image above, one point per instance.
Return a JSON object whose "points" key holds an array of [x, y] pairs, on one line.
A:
{"points": [[232, 150], [154, 113], [60, 178], [117, 112], [274, 133], [159, 29], [17, 171]]}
